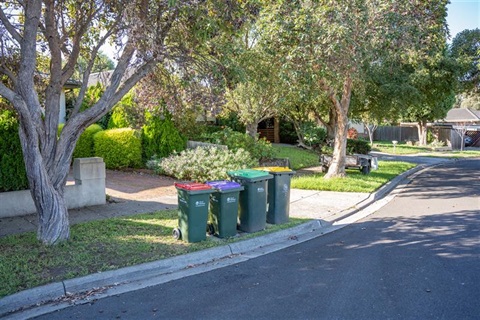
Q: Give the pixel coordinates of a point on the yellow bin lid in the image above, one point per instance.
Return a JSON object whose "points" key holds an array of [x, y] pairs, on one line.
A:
{"points": [[274, 169]]}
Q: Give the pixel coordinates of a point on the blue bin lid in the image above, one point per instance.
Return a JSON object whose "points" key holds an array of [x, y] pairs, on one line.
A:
{"points": [[224, 185]]}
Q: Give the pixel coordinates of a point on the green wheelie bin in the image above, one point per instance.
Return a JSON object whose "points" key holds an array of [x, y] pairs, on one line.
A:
{"points": [[223, 213], [193, 203], [253, 199], [278, 194]]}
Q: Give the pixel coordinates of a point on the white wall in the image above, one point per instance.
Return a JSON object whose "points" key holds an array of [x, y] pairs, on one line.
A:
{"points": [[89, 190]]}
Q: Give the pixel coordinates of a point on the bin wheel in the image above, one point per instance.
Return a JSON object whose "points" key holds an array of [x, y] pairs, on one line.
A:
{"points": [[177, 234], [210, 229]]}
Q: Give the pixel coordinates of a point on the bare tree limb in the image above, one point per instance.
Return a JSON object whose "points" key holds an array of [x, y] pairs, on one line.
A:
{"points": [[10, 28], [6, 92], [88, 71], [9, 74]]}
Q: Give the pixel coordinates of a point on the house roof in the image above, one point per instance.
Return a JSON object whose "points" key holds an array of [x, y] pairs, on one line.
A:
{"points": [[72, 84], [102, 77], [462, 115]]}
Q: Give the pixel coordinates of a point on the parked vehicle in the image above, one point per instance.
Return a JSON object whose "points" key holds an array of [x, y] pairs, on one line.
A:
{"points": [[468, 141], [363, 162]]}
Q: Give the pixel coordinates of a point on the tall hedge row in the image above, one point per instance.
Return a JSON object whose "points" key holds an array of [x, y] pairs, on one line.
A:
{"points": [[119, 148], [12, 168]]}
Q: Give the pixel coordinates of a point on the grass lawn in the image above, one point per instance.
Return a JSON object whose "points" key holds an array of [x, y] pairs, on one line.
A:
{"points": [[299, 158], [355, 181], [457, 154], [401, 148], [99, 246]]}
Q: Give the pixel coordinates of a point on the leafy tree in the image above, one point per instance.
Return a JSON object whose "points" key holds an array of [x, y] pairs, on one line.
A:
{"points": [[382, 97], [253, 91], [146, 33], [469, 100], [185, 97], [330, 43], [434, 80], [465, 48]]}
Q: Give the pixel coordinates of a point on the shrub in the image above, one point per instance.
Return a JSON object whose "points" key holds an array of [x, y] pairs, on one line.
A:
{"points": [[118, 119], [12, 168], [93, 94], [203, 164], [259, 149], [85, 147], [358, 146], [119, 148], [126, 114], [313, 134], [287, 132], [231, 121], [160, 137]]}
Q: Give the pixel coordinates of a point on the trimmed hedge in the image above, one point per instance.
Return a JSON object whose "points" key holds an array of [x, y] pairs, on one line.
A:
{"points": [[13, 175], [358, 146], [119, 148], [85, 146]]}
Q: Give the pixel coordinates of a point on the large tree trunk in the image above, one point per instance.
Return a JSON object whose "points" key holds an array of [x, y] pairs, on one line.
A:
{"points": [[337, 167], [422, 133], [46, 187], [53, 224], [330, 125], [251, 129]]}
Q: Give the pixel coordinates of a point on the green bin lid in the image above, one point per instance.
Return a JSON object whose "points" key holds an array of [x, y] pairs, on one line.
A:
{"points": [[249, 174]]}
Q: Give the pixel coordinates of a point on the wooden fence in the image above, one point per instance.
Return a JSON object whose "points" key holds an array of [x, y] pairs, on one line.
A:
{"points": [[396, 133]]}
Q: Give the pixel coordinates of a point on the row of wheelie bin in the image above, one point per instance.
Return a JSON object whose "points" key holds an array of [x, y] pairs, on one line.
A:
{"points": [[252, 198]]}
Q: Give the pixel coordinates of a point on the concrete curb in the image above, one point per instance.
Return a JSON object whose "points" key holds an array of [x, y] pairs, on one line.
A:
{"points": [[45, 299]]}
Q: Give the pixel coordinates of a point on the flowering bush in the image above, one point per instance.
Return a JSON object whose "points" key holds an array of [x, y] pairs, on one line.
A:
{"points": [[258, 149], [352, 133], [313, 134], [202, 164]]}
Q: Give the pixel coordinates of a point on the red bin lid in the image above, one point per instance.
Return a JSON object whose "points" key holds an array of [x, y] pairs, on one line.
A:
{"points": [[192, 186]]}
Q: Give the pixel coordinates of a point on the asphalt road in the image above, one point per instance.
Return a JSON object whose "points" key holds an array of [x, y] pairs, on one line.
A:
{"points": [[416, 258]]}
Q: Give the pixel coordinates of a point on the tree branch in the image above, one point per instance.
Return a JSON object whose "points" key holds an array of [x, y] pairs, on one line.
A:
{"points": [[69, 67], [10, 28], [7, 93], [130, 82], [88, 71], [9, 74]]}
